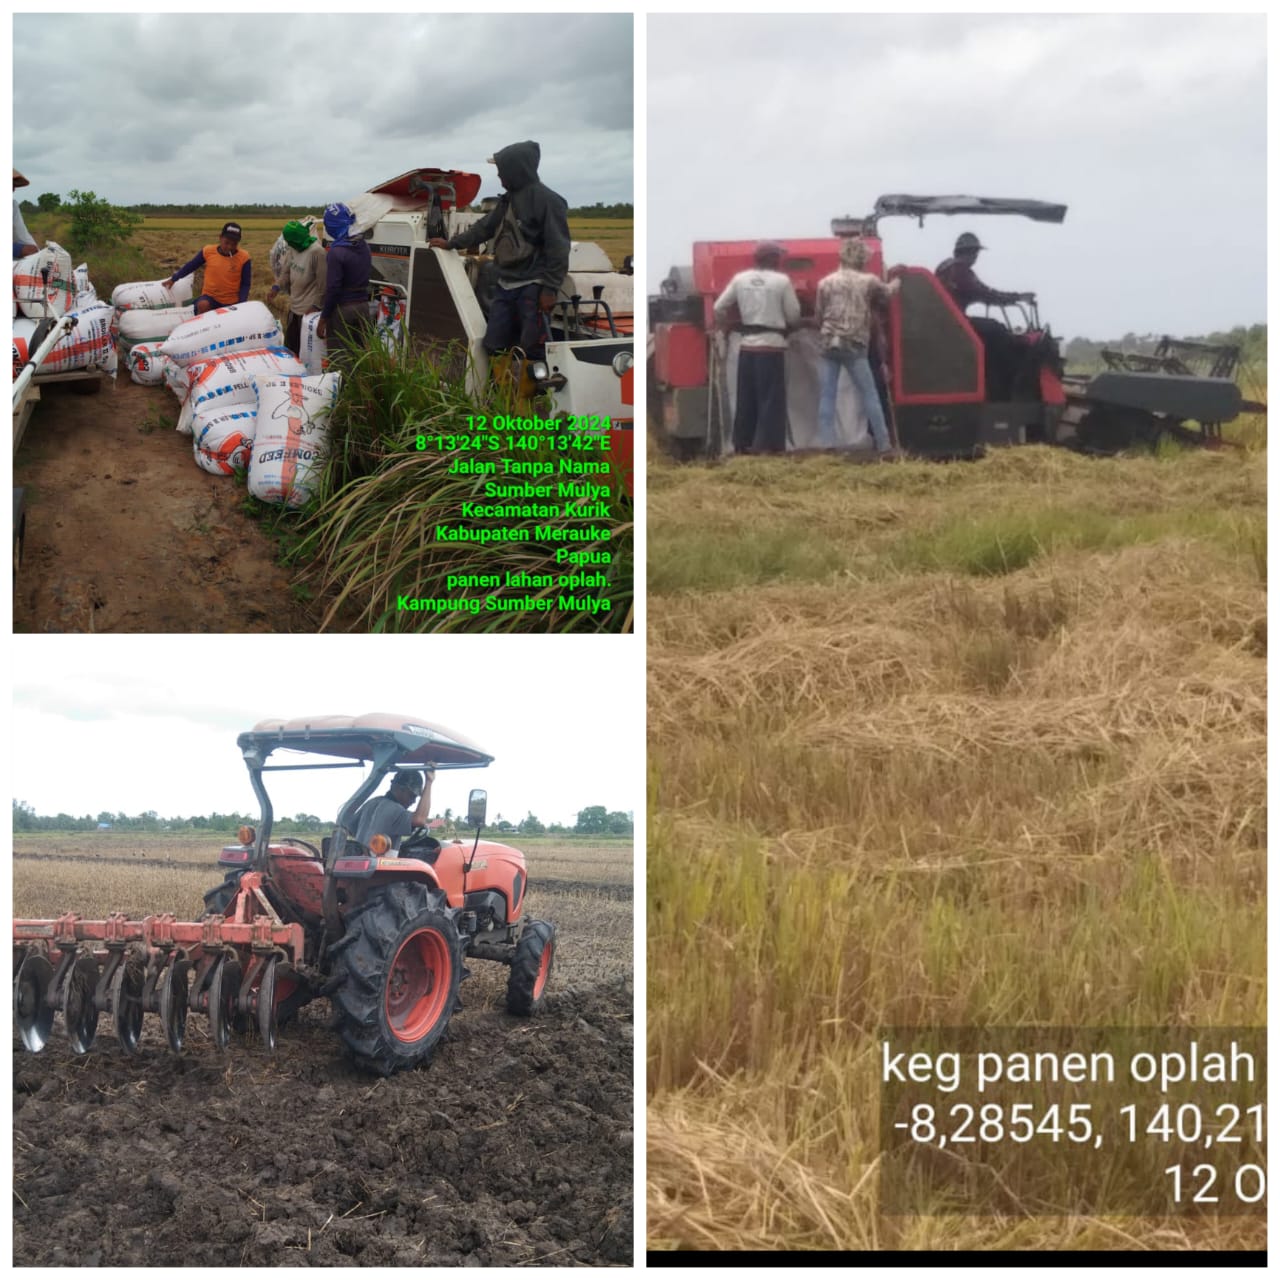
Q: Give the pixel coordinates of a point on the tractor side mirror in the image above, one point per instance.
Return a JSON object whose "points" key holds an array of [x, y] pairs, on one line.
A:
{"points": [[476, 805]]}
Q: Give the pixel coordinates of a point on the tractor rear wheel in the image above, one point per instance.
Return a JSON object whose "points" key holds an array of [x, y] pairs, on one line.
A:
{"points": [[531, 968], [218, 899], [396, 970]]}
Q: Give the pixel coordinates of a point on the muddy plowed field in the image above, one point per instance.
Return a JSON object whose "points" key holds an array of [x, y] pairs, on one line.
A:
{"points": [[514, 1146]]}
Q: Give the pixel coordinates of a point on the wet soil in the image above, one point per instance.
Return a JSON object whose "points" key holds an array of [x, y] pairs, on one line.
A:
{"points": [[125, 533], [512, 1146]]}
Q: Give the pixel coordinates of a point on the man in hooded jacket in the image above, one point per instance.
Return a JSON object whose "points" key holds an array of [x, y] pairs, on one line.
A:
{"points": [[529, 233]]}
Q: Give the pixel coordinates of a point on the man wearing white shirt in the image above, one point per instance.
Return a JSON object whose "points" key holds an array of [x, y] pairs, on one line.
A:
{"points": [[767, 309]]}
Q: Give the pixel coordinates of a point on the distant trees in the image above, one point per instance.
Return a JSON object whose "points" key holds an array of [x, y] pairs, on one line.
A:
{"points": [[597, 821], [50, 202], [594, 820]]}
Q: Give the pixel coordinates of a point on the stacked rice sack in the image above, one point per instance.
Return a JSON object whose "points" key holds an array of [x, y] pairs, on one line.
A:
{"points": [[58, 292], [146, 313], [227, 366]]}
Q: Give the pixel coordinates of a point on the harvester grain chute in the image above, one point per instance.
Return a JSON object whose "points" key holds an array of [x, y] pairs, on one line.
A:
{"points": [[385, 938], [944, 392]]}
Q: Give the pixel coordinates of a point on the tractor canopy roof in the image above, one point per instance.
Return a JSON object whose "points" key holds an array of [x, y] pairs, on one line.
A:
{"points": [[920, 206], [418, 742]]}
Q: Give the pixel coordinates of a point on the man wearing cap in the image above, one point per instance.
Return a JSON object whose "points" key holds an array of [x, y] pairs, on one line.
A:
{"points": [[528, 231], [24, 243], [767, 308], [344, 313], [387, 815], [303, 279], [227, 271], [847, 299], [961, 281]]}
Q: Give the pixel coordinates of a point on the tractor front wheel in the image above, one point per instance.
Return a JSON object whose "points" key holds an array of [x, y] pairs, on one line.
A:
{"points": [[396, 970], [531, 968]]}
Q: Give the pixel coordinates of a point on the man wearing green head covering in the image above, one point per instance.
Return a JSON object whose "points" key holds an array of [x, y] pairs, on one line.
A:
{"points": [[302, 277]]}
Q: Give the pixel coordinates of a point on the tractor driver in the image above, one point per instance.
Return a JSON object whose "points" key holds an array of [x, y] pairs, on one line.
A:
{"points": [[961, 281], [387, 815]]}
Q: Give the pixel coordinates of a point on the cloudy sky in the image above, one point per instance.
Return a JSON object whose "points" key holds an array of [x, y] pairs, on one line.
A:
{"points": [[308, 108], [1150, 128], [150, 722]]}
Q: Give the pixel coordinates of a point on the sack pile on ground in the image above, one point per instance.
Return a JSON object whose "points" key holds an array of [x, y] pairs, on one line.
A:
{"points": [[228, 367]]}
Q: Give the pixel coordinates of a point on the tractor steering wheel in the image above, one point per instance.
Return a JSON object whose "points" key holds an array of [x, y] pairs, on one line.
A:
{"points": [[302, 844], [419, 841]]}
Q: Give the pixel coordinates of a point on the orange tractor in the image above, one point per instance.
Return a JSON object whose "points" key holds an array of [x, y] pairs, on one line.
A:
{"points": [[384, 936]]}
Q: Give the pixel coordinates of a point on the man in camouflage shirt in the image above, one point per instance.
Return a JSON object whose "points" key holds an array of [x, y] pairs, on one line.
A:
{"points": [[844, 314]]}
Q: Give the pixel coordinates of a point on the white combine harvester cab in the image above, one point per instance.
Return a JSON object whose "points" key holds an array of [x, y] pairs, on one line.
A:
{"points": [[588, 370]]}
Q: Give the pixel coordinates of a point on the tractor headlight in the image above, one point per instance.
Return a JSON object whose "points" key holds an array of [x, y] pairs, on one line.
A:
{"points": [[538, 371], [622, 362]]}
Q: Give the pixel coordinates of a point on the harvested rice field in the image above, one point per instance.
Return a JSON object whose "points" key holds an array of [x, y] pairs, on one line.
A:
{"points": [[938, 746]]}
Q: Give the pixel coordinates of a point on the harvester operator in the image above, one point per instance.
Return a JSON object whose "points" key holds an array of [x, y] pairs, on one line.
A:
{"points": [[529, 231], [961, 281], [227, 271], [767, 309], [388, 815], [24, 243]]}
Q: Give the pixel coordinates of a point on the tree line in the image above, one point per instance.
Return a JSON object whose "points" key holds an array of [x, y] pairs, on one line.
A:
{"points": [[594, 820]]}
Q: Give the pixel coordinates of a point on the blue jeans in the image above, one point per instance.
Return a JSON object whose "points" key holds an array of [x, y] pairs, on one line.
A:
{"points": [[515, 320], [855, 360]]}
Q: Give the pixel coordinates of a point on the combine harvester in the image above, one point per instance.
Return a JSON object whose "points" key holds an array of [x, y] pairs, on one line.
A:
{"points": [[384, 937], [588, 372], [937, 394]]}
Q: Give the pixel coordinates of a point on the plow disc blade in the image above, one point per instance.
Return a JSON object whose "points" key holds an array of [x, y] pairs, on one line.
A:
{"points": [[173, 1003], [267, 1006], [31, 1015], [224, 990], [126, 1006], [79, 1012]]}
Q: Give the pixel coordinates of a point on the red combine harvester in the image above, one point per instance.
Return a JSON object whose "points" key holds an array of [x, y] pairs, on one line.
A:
{"points": [[941, 395], [383, 937]]}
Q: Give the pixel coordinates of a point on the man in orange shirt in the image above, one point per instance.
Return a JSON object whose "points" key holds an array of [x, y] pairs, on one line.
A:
{"points": [[227, 271]]}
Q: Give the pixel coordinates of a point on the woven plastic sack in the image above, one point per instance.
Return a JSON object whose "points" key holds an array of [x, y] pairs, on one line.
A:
{"points": [[222, 438], [151, 294], [38, 297], [89, 343], [145, 363], [315, 351], [152, 324], [248, 326], [229, 379], [291, 437]]}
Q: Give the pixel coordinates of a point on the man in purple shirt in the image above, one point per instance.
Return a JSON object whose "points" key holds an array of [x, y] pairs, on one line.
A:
{"points": [[344, 314]]}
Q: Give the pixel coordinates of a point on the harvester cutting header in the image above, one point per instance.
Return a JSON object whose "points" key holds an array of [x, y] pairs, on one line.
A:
{"points": [[951, 385], [383, 937]]}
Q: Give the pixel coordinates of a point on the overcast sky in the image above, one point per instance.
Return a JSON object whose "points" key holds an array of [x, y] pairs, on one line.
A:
{"points": [[309, 108], [1150, 128], [146, 722]]}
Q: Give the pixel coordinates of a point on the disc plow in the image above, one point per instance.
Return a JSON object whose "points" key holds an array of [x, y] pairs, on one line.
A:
{"points": [[235, 970]]}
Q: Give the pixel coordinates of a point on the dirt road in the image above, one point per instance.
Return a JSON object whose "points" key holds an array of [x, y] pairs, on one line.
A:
{"points": [[125, 532]]}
